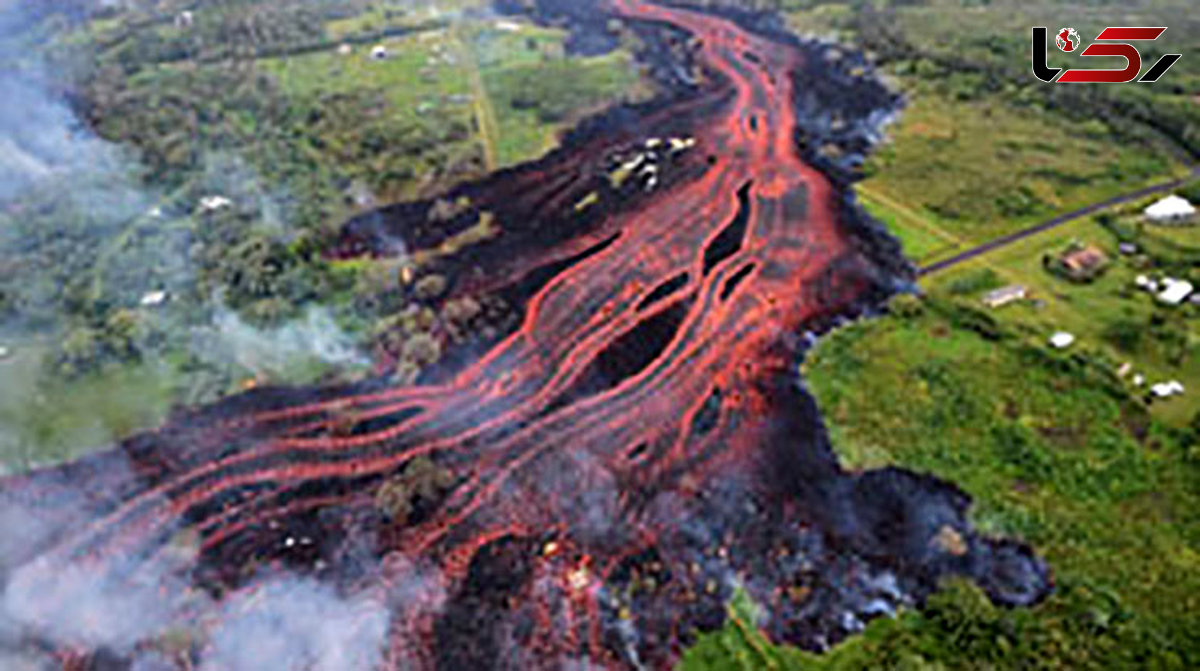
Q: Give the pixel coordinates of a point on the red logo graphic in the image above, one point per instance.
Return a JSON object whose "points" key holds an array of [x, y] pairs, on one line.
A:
{"points": [[1067, 39], [1119, 38]]}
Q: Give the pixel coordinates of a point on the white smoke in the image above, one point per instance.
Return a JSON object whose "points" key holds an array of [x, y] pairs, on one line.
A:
{"points": [[271, 352], [76, 604], [297, 625]]}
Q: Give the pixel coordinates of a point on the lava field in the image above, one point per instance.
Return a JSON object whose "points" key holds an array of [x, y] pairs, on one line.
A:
{"points": [[590, 489]]}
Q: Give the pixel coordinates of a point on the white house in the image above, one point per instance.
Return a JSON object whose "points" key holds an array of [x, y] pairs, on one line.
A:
{"points": [[1171, 209], [214, 203], [1175, 291], [154, 299], [379, 52], [1167, 389], [1062, 340], [1005, 295]]}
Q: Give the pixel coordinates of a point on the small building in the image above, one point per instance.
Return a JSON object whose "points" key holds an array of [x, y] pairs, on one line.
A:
{"points": [[345, 49], [379, 52], [1170, 210], [1083, 263], [1174, 291], [210, 204], [1167, 389], [1005, 295], [508, 26], [1062, 340], [5, 352], [1128, 248], [154, 299], [184, 19]]}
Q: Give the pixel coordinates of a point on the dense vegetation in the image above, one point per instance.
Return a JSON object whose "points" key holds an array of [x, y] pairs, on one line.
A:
{"points": [[1053, 450]]}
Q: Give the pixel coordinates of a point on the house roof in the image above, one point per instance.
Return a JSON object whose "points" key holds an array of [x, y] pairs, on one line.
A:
{"points": [[1062, 339], [1083, 259], [1175, 292], [1169, 208]]}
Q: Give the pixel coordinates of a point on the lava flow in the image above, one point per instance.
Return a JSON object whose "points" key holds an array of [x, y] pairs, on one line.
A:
{"points": [[596, 486]]}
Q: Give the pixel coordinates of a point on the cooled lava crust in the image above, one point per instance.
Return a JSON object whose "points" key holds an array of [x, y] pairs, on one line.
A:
{"points": [[639, 448]]}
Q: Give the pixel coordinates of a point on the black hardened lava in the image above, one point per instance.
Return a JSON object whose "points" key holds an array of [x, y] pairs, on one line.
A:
{"points": [[591, 488]]}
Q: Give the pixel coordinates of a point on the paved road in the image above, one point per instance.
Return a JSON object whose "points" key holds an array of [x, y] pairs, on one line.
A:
{"points": [[1055, 222]]}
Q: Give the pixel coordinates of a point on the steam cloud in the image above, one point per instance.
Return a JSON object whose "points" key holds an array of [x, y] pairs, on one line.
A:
{"points": [[269, 351], [297, 625]]}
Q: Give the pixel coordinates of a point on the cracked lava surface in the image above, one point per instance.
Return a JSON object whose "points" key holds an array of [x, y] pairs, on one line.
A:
{"points": [[608, 473]]}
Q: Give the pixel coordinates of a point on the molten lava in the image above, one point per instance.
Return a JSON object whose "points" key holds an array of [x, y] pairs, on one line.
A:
{"points": [[596, 486]]}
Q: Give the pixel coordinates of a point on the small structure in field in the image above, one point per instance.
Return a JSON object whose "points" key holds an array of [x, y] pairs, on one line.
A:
{"points": [[184, 20], [379, 52], [1081, 263], [1175, 291], [1005, 295], [1128, 249], [209, 204], [1062, 340], [1167, 389], [154, 299], [1170, 210], [345, 49]]}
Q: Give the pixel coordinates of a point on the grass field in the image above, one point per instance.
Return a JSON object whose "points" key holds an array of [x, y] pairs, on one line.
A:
{"points": [[1053, 451], [1090, 311], [975, 170], [583, 85], [476, 73], [921, 240], [48, 422]]}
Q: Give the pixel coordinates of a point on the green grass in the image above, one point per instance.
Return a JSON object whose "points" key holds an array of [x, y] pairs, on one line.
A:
{"points": [[412, 75], [1049, 449], [1088, 310], [919, 240], [1054, 452], [537, 91], [980, 169], [47, 421]]}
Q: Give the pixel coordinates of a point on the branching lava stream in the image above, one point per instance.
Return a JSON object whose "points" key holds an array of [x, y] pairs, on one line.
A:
{"points": [[593, 488]]}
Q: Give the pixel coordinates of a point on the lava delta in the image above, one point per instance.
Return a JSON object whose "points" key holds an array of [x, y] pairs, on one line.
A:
{"points": [[592, 487]]}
